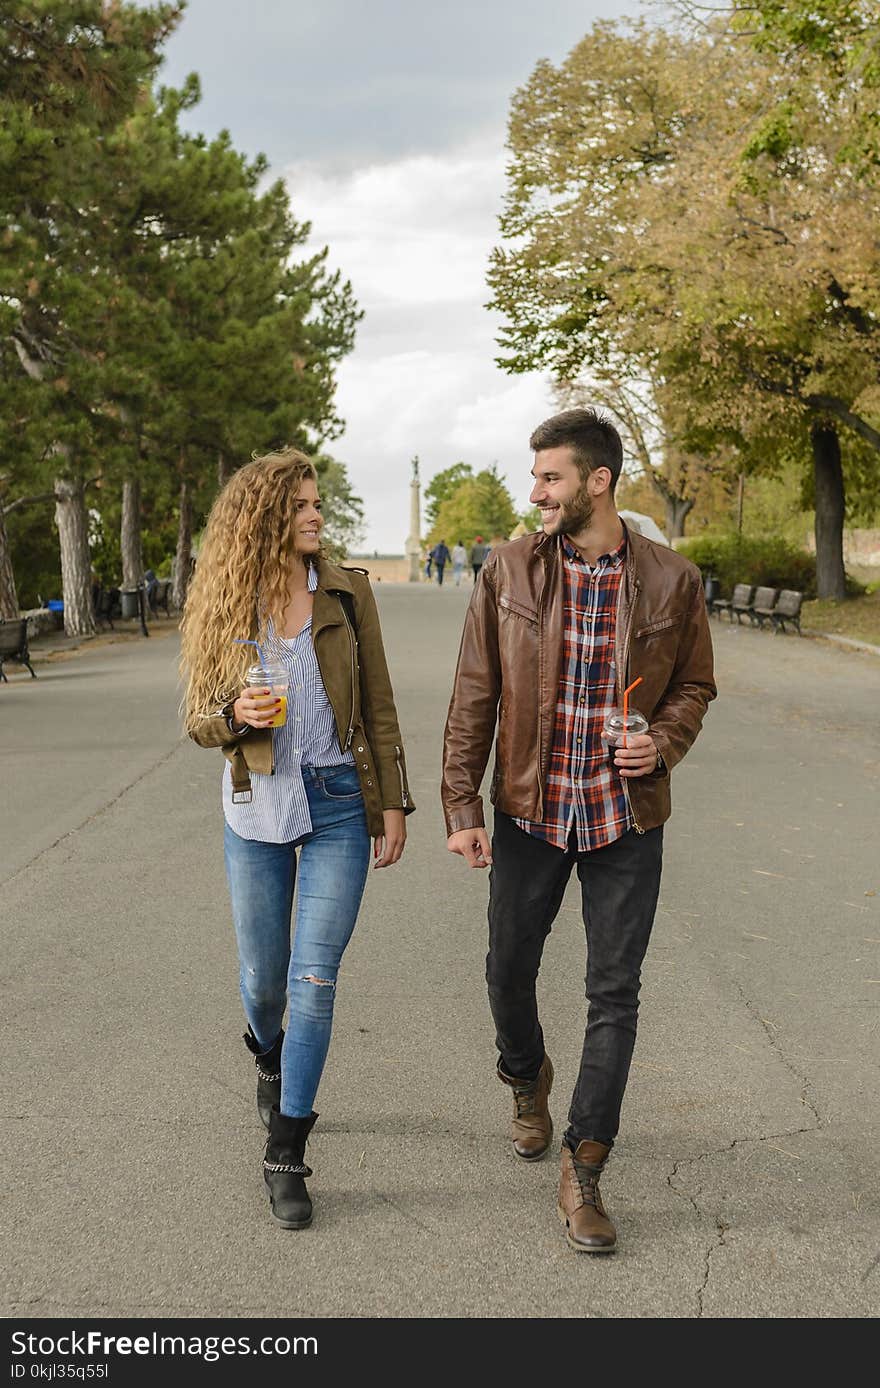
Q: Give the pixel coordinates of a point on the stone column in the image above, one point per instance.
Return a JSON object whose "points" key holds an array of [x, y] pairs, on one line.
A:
{"points": [[414, 539]]}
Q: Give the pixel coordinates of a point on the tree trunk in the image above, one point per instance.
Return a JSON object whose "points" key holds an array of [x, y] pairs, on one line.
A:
{"points": [[76, 569], [830, 502], [130, 536], [224, 468], [677, 512], [8, 596], [183, 556]]}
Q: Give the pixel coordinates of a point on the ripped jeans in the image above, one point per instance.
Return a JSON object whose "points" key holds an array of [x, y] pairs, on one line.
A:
{"points": [[332, 871]]}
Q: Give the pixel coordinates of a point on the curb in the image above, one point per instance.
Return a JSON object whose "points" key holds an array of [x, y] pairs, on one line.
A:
{"points": [[849, 641]]}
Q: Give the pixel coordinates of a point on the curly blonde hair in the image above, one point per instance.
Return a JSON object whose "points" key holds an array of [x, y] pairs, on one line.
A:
{"points": [[241, 578]]}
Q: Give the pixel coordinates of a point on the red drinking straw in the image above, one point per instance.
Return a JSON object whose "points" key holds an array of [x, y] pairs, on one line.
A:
{"points": [[626, 694]]}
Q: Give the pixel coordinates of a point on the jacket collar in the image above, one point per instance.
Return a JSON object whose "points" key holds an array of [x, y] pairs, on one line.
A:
{"points": [[332, 577], [636, 546]]}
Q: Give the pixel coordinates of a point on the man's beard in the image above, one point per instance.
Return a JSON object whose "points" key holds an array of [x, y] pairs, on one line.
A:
{"points": [[574, 516]]}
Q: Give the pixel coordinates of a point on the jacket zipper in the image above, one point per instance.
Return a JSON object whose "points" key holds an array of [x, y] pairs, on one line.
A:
{"points": [[404, 793], [621, 684], [350, 734]]}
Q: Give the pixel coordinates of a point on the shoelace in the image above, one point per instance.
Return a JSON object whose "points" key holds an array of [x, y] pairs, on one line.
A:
{"points": [[588, 1180], [525, 1100]]}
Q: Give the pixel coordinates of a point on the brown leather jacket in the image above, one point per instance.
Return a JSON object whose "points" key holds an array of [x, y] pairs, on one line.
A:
{"points": [[510, 664], [355, 674]]}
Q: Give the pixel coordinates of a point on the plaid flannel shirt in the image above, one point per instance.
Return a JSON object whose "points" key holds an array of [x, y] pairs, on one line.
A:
{"points": [[583, 794]]}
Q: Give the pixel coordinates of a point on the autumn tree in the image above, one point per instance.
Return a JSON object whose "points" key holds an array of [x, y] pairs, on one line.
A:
{"points": [[641, 241]]}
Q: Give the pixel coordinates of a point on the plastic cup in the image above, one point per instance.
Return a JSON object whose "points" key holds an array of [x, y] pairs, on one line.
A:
{"points": [[619, 728], [271, 676]]}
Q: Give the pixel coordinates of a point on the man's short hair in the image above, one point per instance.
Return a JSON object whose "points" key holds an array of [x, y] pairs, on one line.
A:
{"points": [[592, 438]]}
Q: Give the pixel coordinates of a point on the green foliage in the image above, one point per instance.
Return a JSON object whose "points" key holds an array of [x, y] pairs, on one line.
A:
{"points": [[156, 310], [441, 487], [343, 510], [478, 505], [531, 518], [33, 544], [734, 558]]}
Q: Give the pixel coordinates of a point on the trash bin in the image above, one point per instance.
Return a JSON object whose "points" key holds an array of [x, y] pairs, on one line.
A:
{"points": [[56, 607], [711, 588], [129, 601]]}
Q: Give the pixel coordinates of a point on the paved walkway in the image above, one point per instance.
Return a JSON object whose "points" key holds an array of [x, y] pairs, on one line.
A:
{"points": [[746, 1179]]}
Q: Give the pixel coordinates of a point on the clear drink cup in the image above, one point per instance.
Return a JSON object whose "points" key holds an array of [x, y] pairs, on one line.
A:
{"points": [[271, 676], [619, 728]]}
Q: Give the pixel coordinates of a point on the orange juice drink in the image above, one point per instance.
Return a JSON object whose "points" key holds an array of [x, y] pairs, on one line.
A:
{"points": [[281, 716], [273, 677]]}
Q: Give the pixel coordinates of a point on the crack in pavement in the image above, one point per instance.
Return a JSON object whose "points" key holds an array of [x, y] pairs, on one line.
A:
{"points": [[90, 819], [806, 1097], [720, 1226], [405, 1214]]}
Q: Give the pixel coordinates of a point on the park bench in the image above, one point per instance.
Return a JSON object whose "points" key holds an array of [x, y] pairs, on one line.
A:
{"points": [[740, 602], [761, 609], [787, 609], [14, 645]]}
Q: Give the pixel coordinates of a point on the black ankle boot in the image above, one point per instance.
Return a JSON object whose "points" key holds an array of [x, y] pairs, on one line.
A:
{"points": [[268, 1065], [284, 1169]]}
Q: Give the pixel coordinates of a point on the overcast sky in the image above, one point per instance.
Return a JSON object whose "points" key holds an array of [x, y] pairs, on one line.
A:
{"points": [[387, 120]]}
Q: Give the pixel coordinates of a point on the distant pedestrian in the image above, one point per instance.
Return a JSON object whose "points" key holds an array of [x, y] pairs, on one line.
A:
{"points": [[314, 770], [459, 559], [440, 555], [479, 551], [428, 562]]}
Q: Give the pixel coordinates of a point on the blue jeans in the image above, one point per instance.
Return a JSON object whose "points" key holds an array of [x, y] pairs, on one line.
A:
{"points": [[333, 863]]}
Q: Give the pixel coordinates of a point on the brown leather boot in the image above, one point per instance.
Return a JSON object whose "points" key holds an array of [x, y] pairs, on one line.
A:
{"points": [[531, 1127], [580, 1205]]}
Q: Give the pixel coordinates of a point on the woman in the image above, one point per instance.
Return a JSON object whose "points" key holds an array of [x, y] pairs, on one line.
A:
{"points": [[300, 800]]}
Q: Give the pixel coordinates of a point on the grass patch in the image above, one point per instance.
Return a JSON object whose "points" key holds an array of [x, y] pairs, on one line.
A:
{"points": [[858, 618]]}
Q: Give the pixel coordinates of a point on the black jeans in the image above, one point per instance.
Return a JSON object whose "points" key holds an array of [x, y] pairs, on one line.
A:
{"points": [[619, 885]]}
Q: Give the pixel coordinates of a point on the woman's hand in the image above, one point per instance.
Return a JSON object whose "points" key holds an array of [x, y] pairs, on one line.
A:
{"points": [[388, 847], [256, 708]]}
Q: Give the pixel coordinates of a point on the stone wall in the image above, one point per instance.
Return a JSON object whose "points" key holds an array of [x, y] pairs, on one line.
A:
{"points": [[859, 546], [384, 568]]}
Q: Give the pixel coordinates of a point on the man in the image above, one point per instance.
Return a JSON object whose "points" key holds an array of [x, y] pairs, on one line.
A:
{"points": [[440, 556], [479, 551], [559, 624]]}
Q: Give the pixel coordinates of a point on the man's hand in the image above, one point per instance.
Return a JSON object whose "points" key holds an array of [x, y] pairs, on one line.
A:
{"points": [[473, 845], [388, 847], [638, 757]]}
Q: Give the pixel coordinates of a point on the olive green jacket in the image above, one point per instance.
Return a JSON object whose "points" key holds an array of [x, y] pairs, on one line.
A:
{"points": [[355, 674]]}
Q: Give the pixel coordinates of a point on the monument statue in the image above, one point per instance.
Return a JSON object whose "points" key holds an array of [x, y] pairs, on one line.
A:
{"points": [[414, 539]]}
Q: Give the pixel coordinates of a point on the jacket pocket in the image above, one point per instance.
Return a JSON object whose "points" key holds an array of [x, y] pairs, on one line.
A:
{"points": [[521, 610], [662, 624]]}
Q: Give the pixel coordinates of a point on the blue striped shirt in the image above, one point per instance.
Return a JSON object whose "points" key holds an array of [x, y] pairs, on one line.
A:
{"points": [[279, 809]]}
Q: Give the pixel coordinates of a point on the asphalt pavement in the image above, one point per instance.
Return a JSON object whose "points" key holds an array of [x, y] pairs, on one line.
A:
{"points": [[746, 1180]]}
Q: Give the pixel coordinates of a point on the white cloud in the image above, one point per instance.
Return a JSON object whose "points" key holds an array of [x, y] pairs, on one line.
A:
{"points": [[414, 237]]}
